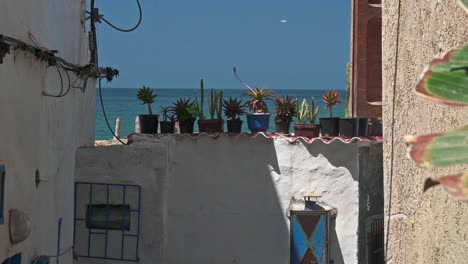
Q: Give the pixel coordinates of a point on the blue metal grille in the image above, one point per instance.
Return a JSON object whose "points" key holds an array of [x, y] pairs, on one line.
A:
{"points": [[16, 259], [104, 232], [309, 237]]}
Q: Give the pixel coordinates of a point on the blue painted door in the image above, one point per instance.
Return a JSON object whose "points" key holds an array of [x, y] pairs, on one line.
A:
{"points": [[309, 237]]}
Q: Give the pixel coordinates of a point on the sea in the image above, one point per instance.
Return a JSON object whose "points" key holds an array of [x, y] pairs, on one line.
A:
{"points": [[123, 103]]}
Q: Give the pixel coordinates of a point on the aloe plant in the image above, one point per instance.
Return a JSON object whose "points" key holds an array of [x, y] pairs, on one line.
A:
{"points": [[258, 96], [302, 112], [331, 98], [233, 108], [286, 108], [145, 94], [445, 82], [313, 111]]}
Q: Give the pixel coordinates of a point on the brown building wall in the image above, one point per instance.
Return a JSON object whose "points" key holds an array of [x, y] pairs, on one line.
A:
{"points": [[367, 58], [431, 227]]}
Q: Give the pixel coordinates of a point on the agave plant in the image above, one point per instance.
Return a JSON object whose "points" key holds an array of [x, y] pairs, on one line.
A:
{"points": [[257, 95], [445, 82], [331, 98], [184, 110], [145, 94], [286, 108], [233, 108]]}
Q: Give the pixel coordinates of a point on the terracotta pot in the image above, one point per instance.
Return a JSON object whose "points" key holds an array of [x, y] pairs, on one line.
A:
{"points": [[148, 124], [282, 127], [211, 125], [306, 130], [234, 126], [329, 127]]}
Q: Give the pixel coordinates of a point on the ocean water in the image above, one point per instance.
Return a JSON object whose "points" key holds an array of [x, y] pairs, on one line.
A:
{"points": [[123, 103]]}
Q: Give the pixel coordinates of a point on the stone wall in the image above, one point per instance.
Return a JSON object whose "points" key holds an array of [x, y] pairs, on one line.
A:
{"points": [[40, 134], [225, 199], [429, 227]]}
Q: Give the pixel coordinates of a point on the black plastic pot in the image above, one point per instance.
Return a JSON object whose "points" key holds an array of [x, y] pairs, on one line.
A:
{"points": [[167, 127], [148, 124], [211, 125], [329, 127], [234, 126], [282, 127], [363, 127], [349, 127], [186, 126], [306, 130], [375, 128]]}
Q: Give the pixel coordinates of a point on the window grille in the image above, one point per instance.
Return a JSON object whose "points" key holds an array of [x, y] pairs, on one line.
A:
{"points": [[107, 221]]}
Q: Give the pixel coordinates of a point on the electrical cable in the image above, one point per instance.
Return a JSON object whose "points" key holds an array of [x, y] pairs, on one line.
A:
{"points": [[54, 256], [140, 11], [99, 79]]}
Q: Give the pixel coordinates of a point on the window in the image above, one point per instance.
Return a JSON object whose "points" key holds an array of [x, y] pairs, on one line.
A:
{"points": [[110, 217], [16, 259], [2, 193], [107, 221]]}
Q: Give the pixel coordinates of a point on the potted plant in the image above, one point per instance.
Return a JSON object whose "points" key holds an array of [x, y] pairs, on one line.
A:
{"points": [[167, 124], [329, 127], [307, 113], [185, 112], [148, 123], [233, 109], [215, 104], [258, 120], [285, 109]]}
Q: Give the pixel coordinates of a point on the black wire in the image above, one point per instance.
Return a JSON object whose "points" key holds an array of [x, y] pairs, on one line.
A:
{"points": [[96, 61], [61, 87], [121, 29], [105, 115]]}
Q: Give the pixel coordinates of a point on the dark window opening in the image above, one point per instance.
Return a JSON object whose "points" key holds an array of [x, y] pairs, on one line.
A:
{"points": [[108, 217], [16, 259], [2, 193]]}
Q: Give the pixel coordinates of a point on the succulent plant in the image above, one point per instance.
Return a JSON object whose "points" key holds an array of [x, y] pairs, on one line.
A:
{"points": [[258, 96], [184, 110], [233, 108], [307, 112], [215, 104], [165, 111], [145, 94], [331, 98], [200, 106], [285, 108], [302, 112], [313, 111]]}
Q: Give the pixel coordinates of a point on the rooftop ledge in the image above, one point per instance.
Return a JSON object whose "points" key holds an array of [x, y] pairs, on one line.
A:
{"points": [[289, 137]]}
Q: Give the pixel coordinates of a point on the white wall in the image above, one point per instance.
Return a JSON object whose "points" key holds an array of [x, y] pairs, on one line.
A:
{"points": [[225, 199], [42, 133]]}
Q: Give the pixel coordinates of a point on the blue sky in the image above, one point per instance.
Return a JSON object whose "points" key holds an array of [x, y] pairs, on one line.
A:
{"points": [[182, 41]]}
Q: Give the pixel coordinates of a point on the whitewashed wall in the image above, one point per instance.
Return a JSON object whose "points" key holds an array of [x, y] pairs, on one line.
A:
{"points": [[224, 199], [42, 133]]}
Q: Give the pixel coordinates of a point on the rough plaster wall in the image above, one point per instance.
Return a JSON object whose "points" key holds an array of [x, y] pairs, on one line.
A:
{"points": [[226, 198], [301, 173], [430, 227], [145, 166], [40, 132]]}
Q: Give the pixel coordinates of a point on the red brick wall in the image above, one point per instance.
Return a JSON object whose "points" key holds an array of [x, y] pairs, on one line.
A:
{"points": [[367, 58]]}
